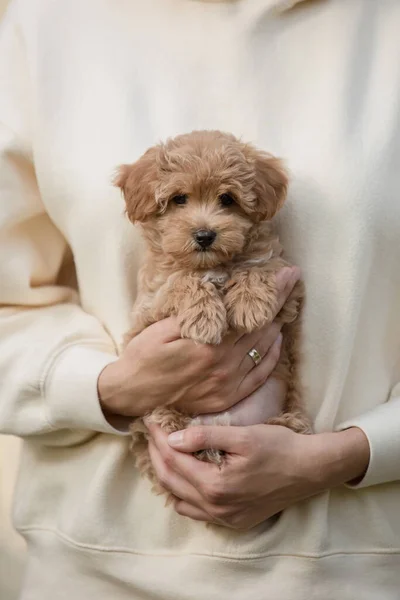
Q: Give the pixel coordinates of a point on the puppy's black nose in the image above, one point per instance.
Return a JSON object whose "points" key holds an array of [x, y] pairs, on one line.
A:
{"points": [[205, 237]]}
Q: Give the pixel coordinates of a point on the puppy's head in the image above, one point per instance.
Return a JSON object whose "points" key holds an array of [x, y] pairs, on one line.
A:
{"points": [[202, 193]]}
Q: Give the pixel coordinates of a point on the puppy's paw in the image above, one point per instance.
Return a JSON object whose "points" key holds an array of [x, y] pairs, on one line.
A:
{"points": [[211, 456], [297, 422], [206, 325], [248, 313]]}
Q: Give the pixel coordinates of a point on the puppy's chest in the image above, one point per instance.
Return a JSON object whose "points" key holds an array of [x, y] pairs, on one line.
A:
{"points": [[218, 277]]}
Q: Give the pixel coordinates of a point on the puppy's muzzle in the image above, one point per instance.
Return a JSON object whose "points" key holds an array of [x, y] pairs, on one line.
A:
{"points": [[204, 238]]}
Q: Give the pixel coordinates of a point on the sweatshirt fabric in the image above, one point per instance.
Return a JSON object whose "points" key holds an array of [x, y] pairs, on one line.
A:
{"points": [[87, 85]]}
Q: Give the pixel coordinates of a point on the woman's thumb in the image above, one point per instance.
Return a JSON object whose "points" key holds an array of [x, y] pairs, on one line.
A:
{"points": [[205, 437]]}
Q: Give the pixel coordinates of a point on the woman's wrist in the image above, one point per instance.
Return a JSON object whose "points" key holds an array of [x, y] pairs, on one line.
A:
{"points": [[339, 458], [114, 398]]}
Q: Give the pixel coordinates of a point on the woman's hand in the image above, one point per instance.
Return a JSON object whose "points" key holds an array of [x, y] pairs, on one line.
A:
{"points": [[158, 367], [267, 469]]}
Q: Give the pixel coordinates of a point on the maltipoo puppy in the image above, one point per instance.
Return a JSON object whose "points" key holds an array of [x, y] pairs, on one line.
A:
{"points": [[204, 201]]}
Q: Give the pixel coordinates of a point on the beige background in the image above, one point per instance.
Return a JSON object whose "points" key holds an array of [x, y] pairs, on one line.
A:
{"points": [[3, 4], [11, 545]]}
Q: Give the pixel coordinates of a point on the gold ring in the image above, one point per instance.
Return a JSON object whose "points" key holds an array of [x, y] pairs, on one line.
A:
{"points": [[255, 356]]}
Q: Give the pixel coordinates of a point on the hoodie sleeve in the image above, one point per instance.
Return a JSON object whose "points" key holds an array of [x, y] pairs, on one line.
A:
{"points": [[51, 351], [382, 429]]}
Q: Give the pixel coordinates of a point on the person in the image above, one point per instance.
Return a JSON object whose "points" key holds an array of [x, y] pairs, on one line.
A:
{"points": [[86, 86]]}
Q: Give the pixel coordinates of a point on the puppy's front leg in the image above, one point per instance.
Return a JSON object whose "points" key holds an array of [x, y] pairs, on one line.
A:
{"points": [[198, 305], [251, 299]]}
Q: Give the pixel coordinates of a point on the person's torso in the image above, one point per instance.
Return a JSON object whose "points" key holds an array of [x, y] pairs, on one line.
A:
{"points": [[319, 86]]}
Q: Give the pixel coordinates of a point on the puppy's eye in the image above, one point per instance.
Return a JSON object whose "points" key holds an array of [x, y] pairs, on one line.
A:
{"points": [[226, 199], [180, 199]]}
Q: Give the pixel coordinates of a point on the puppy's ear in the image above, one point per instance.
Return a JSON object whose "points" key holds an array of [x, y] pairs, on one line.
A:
{"points": [[270, 186], [138, 184], [271, 183]]}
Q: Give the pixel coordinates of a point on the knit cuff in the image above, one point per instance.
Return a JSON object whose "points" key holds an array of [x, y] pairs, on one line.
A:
{"points": [[381, 426], [71, 395]]}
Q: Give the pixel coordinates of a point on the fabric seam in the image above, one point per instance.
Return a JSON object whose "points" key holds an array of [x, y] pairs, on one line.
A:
{"points": [[219, 555]]}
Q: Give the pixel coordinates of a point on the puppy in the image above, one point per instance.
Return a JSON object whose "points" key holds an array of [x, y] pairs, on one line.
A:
{"points": [[204, 201]]}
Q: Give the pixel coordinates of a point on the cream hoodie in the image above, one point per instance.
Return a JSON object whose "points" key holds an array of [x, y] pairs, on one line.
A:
{"points": [[88, 84]]}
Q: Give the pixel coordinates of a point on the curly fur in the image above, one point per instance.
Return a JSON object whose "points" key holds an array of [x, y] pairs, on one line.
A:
{"points": [[231, 284]]}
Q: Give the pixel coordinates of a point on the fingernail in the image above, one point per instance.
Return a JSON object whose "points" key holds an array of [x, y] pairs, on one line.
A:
{"points": [[175, 440], [278, 341]]}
